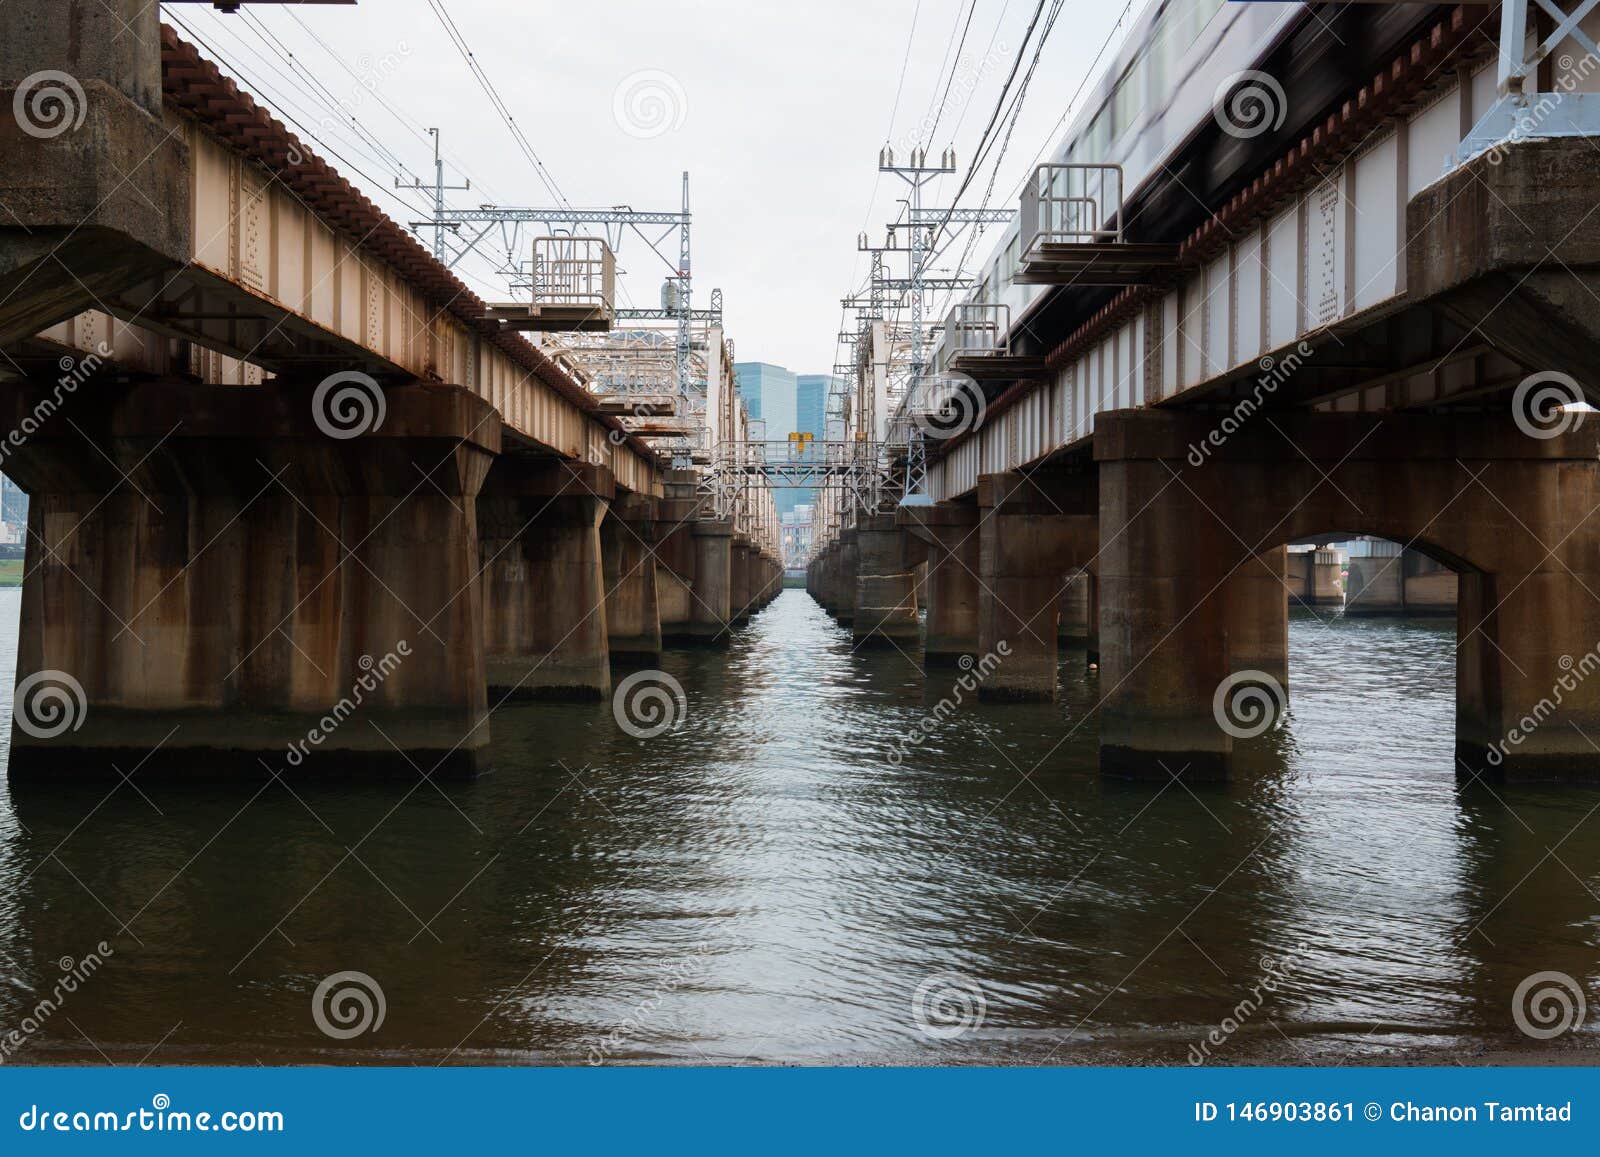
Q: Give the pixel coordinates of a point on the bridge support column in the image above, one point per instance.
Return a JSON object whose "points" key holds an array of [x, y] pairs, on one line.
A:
{"points": [[1073, 626], [675, 556], [1191, 654], [950, 531], [1033, 530], [1079, 624], [543, 578], [885, 599], [221, 588], [741, 592], [711, 608], [96, 188], [848, 569], [1392, 581], [1327, 584], [821, 578], [633, 615], [1257, 616], [832, 582]]}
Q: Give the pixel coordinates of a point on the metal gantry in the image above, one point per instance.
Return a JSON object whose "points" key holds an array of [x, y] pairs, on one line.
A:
{"points": [[883, 369], [506, 232]]}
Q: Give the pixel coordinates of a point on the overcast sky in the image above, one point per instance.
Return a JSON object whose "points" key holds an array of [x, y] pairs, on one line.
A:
{"points": [[777, 109]]}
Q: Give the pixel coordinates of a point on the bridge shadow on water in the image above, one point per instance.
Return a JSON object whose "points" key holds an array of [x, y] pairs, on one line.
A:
{"points": [[831, 857]]}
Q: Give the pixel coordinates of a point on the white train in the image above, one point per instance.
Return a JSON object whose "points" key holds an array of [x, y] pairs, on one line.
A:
{"points": [[1147, 105]]}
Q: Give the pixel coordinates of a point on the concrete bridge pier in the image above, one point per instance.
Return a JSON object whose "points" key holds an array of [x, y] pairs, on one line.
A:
{"points": [[773, 580], [950, 533], [1072, 625], [544, 578], [711, 607], [832, 580], [94, 210], [742, 592], [211, 576], [1393, 581], [1257, 616], [675, 554], [846, 556], [1313, 578], [633, 613], [1033, 529], [1191, 636], [885, 598], [819, 577]]}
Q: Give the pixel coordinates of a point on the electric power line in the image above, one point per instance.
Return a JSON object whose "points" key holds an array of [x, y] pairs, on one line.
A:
{"points": [[495, 100]]}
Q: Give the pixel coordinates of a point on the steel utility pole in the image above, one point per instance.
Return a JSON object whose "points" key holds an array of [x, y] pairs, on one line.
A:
{"points": [[439, 188]]}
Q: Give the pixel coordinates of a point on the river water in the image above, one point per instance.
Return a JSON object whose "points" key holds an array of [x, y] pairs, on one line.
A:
{"points": [[772, 882]]}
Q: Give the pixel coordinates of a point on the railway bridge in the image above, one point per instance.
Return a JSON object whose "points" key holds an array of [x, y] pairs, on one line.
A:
{"points": [[1298, 272], [283, 465]]}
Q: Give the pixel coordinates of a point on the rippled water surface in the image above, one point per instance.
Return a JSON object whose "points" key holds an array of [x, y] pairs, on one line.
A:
{"points": [[767, 884]]}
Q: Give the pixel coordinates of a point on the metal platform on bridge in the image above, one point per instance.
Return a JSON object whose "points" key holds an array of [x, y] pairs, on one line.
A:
{"points": [[994, 367], [1097, 263], [523, 316]]}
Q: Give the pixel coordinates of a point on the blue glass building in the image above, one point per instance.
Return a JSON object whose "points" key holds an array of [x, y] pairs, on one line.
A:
{"points": [[778, 398]]}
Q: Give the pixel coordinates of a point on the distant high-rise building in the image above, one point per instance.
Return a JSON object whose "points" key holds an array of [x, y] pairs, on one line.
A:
{"points": [[769, 395], [811, 403], [786, 404]]}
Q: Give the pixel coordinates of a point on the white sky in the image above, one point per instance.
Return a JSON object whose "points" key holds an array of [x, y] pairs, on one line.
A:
{"points": [[785, 104]]}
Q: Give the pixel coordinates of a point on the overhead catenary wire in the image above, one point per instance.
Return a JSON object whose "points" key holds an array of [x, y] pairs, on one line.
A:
{"points": [[936, 110], [286, 54], [297, 119], [496, 101], [1049, 140], [401, 117]]}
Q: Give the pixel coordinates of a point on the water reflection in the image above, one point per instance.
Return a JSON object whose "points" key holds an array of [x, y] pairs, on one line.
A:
{"points": [[766, 884]]}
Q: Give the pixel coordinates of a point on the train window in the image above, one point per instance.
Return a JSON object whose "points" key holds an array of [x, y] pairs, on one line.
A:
{"points": [[1129, 99], [1099, 137], [1160, 55], [1204, 10]]}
